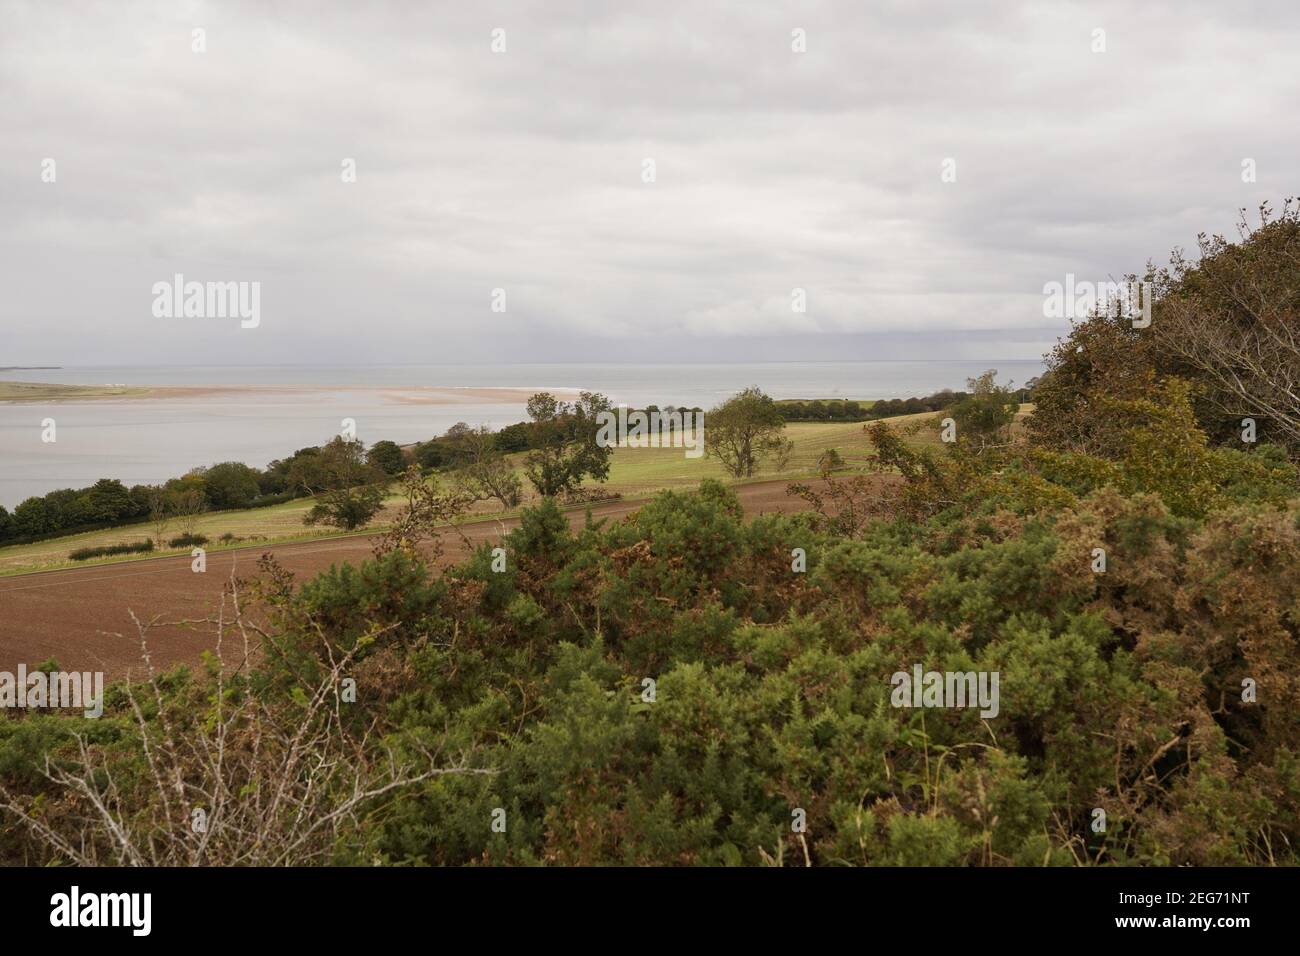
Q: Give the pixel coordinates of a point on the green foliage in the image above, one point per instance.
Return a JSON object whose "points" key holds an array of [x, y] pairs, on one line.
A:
{"points": [[230, 484], [483, 471], [747, 428], [188, 541], [347, 485], [513, 438], [831, 410], [346, 508], [891, 407], [1223, 322], [1164, 451], [771, 689], [829, 461], [108, 501], [984, 416], [135, 547], [563, 437], [430, 455], [387, 457], [1160, 449], [674, 689]]}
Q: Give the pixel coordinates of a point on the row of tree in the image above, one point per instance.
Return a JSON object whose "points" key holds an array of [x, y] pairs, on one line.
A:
{"points": [[823, 410], [223, 486], [893, 407], [840, 410]]}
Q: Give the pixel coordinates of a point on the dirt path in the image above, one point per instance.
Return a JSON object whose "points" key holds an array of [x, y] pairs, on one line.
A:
{"points": [[81, 617]]}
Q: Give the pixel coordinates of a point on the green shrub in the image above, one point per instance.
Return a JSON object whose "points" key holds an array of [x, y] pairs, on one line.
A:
{"points": [[137, 547], [667, 691]]}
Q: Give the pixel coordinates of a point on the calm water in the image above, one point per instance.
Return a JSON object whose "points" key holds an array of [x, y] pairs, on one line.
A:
{"points": [[150, 441]]}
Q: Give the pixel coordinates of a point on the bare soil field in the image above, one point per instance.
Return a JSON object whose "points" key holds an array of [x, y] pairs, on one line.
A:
{"points": [[82, 617]]}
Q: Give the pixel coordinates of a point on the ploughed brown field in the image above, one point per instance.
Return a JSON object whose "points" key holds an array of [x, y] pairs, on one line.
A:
{"points": [[82, 617]]}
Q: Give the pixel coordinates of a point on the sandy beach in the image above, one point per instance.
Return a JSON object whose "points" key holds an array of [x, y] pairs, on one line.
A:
{"points": [[40, 392]]}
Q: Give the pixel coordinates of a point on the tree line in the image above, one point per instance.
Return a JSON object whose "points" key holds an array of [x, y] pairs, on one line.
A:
{"points": [[841, 410], [223, 486]]}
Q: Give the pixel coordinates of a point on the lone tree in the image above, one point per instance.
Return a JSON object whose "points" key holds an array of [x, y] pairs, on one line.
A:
{"points": [[346, 508], [829, 461], [562, 436], [160, 514], [745, 429], [349, 490], [187, 505], [485, 472], [984, 416]]}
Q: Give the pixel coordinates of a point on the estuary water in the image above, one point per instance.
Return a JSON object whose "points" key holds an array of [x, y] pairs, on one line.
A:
{"points": [[150, 440]]}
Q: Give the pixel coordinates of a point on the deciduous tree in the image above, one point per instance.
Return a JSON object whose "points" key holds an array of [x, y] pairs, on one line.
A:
{"points": [[744, 430]]}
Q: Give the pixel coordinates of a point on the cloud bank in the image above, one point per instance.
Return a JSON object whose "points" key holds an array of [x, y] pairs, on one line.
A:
{"points": [[525, 170]]}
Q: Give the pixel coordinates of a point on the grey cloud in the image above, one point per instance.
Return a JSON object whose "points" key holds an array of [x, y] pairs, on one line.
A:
{"points": [[522, 171]]}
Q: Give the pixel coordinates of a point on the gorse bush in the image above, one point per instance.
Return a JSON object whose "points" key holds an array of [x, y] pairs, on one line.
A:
{"points": [[667, 690]]}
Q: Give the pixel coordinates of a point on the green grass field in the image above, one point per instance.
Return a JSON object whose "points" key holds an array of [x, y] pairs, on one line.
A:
{"points": [[634, 473], [40, 392], [642, 470]]}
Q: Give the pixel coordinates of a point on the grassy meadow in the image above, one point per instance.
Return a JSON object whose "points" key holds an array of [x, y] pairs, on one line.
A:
{"points": [[634, 473]]}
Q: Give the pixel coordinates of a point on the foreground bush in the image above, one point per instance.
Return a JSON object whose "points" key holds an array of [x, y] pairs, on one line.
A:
{"points": [[505, 717]]}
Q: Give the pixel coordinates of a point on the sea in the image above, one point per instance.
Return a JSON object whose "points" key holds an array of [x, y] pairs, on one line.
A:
{"points": [[141, 441]]}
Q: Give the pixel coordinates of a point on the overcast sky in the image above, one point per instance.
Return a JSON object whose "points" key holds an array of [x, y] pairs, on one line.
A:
{"points": [[524, 170]]}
